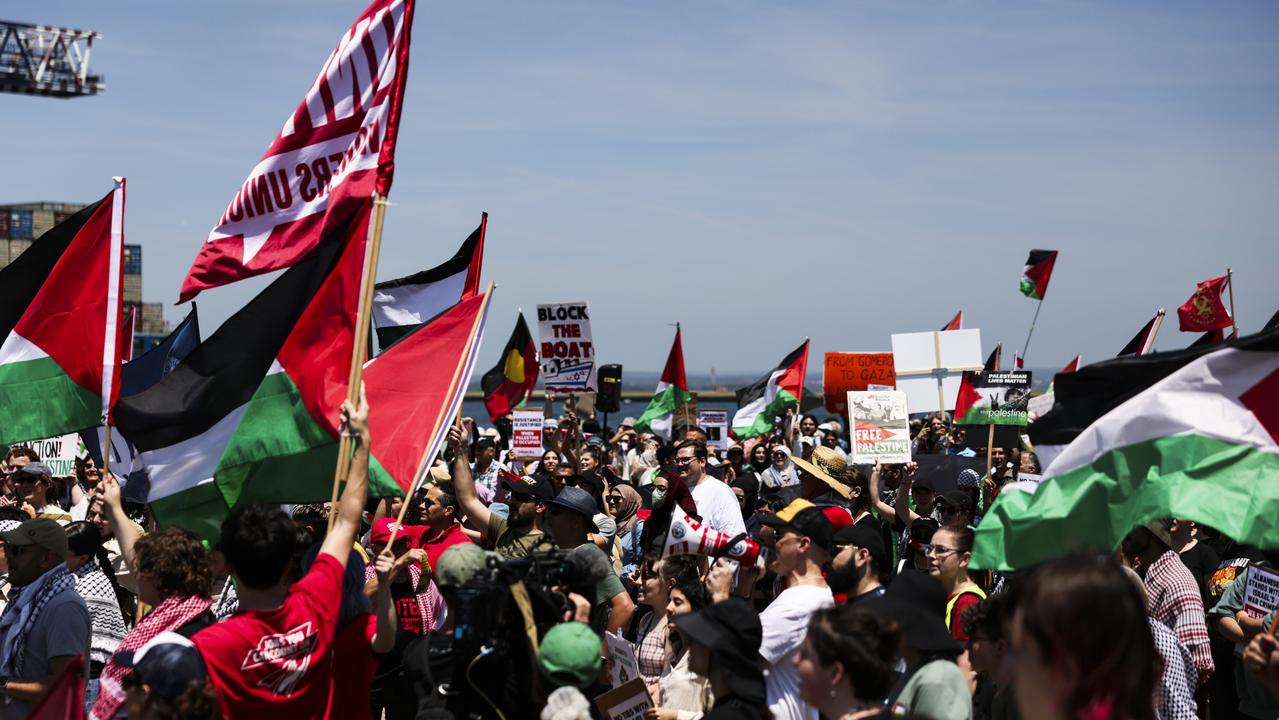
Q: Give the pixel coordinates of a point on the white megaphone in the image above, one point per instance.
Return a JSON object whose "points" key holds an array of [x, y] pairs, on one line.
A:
{"points": [[690, 537]]}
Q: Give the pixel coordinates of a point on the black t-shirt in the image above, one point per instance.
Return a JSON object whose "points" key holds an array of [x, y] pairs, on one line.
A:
{"points": [[1202, 561]]}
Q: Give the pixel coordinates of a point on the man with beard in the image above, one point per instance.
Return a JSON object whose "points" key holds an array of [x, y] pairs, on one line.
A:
{"points": [[857, 564], [515, 535]]}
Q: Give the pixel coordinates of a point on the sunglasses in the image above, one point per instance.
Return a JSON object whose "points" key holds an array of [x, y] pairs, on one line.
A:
{"points": [[614, 499]]}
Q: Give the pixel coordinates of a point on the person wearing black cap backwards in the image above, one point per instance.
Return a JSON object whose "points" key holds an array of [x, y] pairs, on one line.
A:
{"points": [[515, 535], [724, 642], [934, 688], [166, 678]]}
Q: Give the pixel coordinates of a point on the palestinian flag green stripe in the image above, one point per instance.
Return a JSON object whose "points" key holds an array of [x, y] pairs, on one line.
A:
{"points": [[661, 407], [762, 420], [64, 405]]}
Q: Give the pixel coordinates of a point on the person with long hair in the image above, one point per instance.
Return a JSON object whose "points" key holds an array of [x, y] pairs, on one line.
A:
{"points": [[87, 561], [1082, 645], [683, 694], [656, 578], [846, 663], [948, 555]]}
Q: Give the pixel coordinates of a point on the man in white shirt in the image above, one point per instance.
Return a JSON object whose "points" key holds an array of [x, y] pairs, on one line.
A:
{"points": [[716, 502], [802, 539]]}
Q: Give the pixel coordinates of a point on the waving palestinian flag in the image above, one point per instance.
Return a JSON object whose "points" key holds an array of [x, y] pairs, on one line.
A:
{"points": [[1039, 269], [1144, 340], [1191, 434], [672, 392], [768, 397], [60, 310], [338, 143]]}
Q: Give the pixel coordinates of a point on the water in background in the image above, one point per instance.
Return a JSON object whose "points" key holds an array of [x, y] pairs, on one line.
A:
{"points": [[630, 408]]}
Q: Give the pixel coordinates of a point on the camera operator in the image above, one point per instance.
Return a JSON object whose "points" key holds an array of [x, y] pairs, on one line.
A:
{"points": [[511, 536], [569, 520]]}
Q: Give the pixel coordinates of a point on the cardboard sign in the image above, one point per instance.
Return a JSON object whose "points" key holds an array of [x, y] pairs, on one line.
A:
{"points": [[568, 352], [58, 453], [881, 426], [1004, 396], [715, 423], [526, 434], [1039, 405], [929, 366], [845, 371], [624, 667], [1261, 592], [627, 702]]}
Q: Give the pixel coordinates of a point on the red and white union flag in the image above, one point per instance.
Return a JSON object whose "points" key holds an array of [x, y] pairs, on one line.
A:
{"points": [[338, 143]]}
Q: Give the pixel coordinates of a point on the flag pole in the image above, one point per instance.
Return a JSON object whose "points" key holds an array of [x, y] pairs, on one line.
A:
{"points": [[457, 376], [1033, 320], [1230, 285], [360, 346], [1159, 321]]}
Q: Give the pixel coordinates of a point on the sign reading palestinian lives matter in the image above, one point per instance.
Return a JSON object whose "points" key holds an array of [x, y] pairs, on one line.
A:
{"points": [[568, 354], [58, 453], [881, 426], [526, 434], [1261, 592], [715, 423], [844, 371], [1004, 396]]}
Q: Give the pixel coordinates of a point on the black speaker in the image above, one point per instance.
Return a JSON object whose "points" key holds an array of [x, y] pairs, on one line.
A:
{"points": [[609, 398]]}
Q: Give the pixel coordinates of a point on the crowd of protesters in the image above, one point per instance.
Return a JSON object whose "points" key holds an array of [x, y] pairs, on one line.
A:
{"points": [[503, 588]]}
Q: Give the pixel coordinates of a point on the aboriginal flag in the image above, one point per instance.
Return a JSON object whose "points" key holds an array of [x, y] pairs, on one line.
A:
{"points": [[511, 380]]}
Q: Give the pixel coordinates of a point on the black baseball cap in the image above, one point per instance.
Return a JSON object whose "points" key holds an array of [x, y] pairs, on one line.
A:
{"points": [[957, 499], [804, 518], [539, 487], [168, 663], [924, 483], [862, 536]]}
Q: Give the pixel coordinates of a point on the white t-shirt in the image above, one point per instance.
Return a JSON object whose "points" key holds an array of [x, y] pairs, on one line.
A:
{"points": [[785, 624], [717, 504]]}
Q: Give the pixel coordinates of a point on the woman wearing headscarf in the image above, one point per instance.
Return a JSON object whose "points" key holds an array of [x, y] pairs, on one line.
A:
{"points": [[623, 504], [781, 478]]}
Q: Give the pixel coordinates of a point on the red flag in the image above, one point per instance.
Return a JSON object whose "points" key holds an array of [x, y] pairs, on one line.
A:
{"points": [[65, 699], [1204, 310], [956, 323], [1071, 366], [338, 143]]}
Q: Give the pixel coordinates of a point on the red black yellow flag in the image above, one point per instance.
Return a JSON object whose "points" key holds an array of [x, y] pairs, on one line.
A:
{"points": [[511, 380]]}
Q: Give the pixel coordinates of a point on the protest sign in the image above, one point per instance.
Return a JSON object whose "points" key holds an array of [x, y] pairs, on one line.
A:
{"points": [[881, 428], [845, 371], [58, 453], [1261, 592], [1039, 405], [568, 352], [526, 434], [715, 423], [929, 365], [1002, 399], [623, 666], [628, 702]]}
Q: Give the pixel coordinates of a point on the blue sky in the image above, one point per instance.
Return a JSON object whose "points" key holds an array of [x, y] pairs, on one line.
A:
{"points": [[759, 171]]}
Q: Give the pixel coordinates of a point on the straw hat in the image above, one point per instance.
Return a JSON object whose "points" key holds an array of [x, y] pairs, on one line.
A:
{"points": [[817, 471]]}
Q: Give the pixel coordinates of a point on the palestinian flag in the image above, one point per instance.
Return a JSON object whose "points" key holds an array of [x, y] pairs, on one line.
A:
{"points": [[1212, 337], [400, 306], [1141, 343], [969, 402], [956, 323], [60, 309], [671, 393], [409, 420], [337, 143], [279, 366], [1071, 366], [511, 380], [1204, 310], [1271, 325], [1191, 434], [1039, 269], [767, 398]]}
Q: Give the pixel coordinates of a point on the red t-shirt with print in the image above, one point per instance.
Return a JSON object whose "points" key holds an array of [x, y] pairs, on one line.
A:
{"points": [[263, 662]]}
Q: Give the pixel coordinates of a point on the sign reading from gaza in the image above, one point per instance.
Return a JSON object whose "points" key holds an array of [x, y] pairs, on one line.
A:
{"points": [[568, 352]]}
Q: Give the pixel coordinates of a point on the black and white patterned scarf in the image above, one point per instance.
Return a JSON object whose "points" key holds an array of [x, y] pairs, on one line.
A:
{"points": [[21, 613], [104, 610]]}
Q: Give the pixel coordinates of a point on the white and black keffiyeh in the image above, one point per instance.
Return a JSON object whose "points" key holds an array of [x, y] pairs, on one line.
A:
{"points": [[21, 613], [104, 610]]}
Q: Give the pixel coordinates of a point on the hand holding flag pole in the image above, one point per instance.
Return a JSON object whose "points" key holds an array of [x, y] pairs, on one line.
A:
{"points": [[359, 349]]}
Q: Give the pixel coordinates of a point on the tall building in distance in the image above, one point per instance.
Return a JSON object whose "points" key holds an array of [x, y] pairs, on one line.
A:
{"points": [[19, 226]]}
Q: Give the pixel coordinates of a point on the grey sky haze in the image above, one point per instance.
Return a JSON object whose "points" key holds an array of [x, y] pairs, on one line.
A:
{"points": [[759, 171]]}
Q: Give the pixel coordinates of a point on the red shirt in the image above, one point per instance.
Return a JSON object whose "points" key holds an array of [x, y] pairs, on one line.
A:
{"points": [[435, 546], [966, 600], [278, 663], [353, 666]]}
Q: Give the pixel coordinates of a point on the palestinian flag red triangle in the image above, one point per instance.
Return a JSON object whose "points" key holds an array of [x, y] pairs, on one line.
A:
{"points": [[1038, 271], [956, 323]]}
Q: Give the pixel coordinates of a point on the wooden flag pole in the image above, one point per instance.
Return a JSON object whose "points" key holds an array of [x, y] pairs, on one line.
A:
{"points": [[1033, 320], [990, 446], [457, 376], [941, 393], [1230, 285], [360, 345], [106, 453]]}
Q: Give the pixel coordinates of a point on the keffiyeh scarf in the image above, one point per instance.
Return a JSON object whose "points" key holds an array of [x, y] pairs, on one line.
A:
{"points": [[171, 614], [104, 610], [21, 613]]}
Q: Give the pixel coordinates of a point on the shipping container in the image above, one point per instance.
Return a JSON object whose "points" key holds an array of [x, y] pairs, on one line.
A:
{"points": [[133, 259], [61, 217], [132, 287], [20, 224], [153, 319], [4, 225], [17, 247], [4, 253], [41, 222]]}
